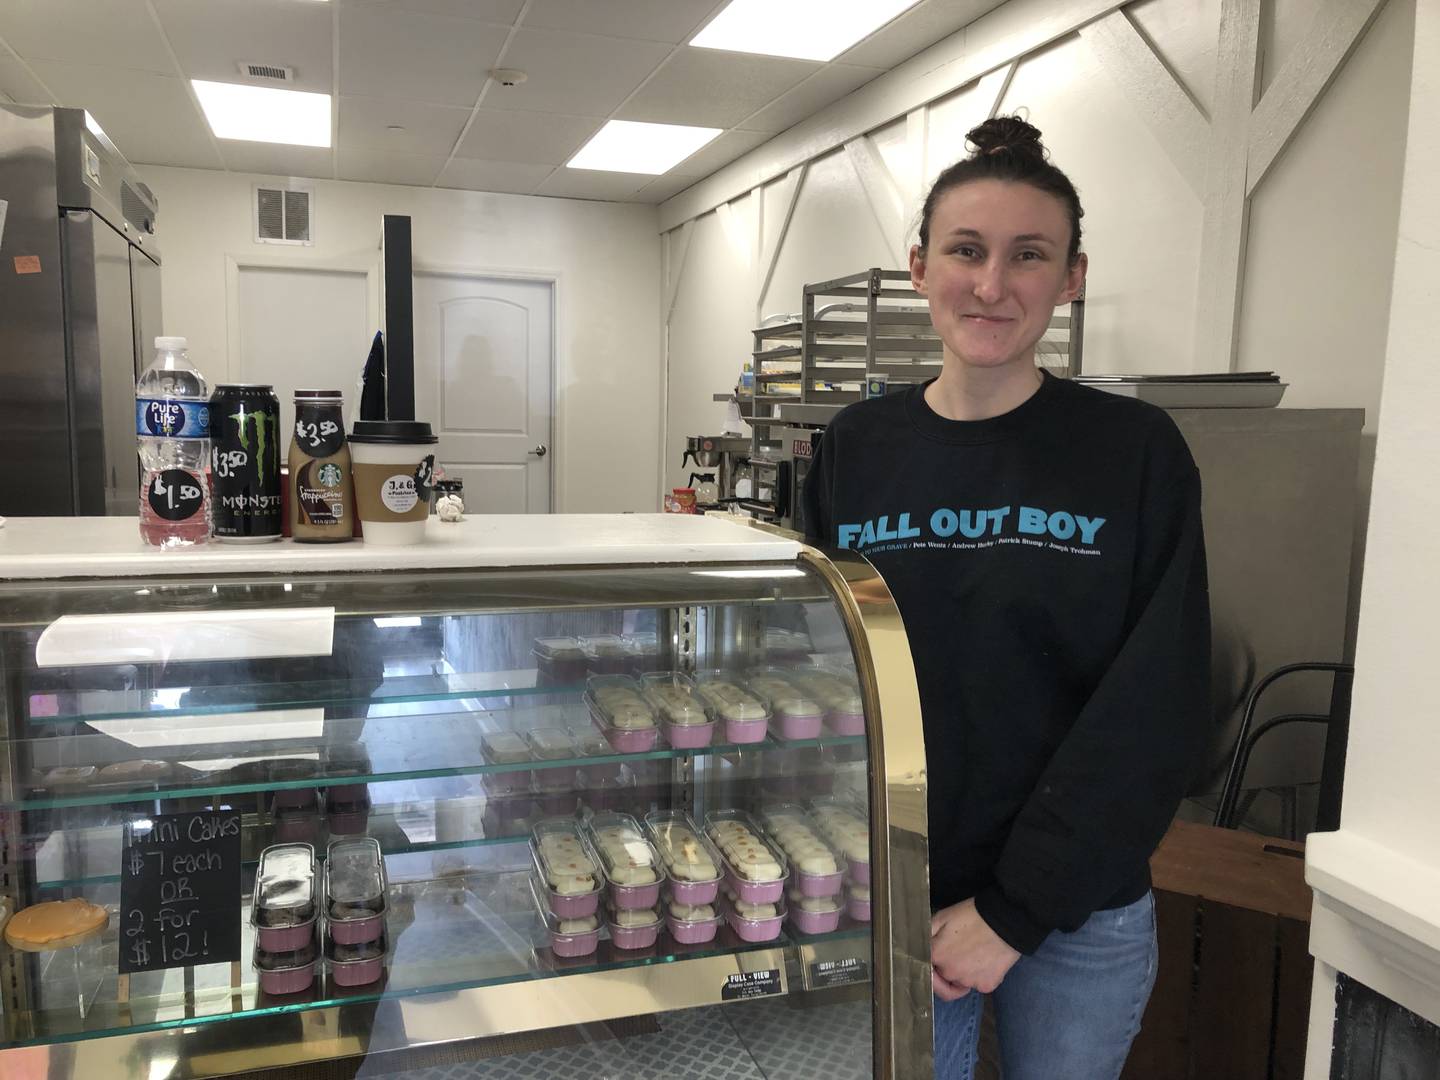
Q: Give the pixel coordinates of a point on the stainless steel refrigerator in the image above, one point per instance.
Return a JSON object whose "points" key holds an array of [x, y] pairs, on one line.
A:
{"points": [[79, 306]]}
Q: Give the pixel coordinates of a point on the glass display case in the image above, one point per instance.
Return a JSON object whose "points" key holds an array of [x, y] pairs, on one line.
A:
{"points": [[602, 796]]}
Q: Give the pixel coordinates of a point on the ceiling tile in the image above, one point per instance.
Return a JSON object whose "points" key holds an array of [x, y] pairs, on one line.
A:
{"points": [[544, 139], [577, 74], [19, 84], [270, 159], [520, 178], [713, 88], [210, 39], [150, 118], [428, 129], [496, 11], [395, 54], [830, 83], [663, 187], [650, 20], [593, 184], [379, 168], [111, 33], [915, 30], [720, 151]]}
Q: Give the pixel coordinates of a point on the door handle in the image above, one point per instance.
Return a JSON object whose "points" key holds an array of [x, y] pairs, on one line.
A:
{"points": [[540, 451]]}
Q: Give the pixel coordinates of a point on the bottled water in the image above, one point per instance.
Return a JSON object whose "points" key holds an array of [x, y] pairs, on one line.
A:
{"points": [[172, 426]]}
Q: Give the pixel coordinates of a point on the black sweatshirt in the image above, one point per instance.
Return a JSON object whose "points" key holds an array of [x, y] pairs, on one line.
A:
{"points": [[1049, 567]]}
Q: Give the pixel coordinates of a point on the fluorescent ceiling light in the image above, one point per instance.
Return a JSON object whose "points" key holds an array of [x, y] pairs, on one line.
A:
{"points": [[627, 146], [264, 114], [802, 29]]}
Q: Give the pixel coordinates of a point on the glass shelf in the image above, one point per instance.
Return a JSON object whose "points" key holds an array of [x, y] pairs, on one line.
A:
{"points": [[178, 703], [426, 745], [445, 935]]}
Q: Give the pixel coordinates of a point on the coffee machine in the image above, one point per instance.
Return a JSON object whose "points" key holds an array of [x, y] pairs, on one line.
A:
{"points": [[716, 459]]}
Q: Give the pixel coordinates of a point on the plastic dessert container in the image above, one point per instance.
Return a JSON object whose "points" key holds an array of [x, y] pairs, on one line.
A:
{"points": [[559, 661], [605, 654], [847, 831], [838, 692], [816, 868], [751, 926], [569, 937], [621, 714], [816, 915], [642, 651], [356, 892], [568, 869], [685, 720], [284, 905], [633, 928], [689, 924], [285, 972], [753, 868], [744, 716], [505, 748], [692, 865], [295, 826], [347, 819], [589, 743], [857, 902], [295, 799], [796, 714], [357, 964], [630, 864]]}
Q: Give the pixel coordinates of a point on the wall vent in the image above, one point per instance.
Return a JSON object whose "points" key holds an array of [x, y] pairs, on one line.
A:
{"points": [[269, 72], [283, 215]]}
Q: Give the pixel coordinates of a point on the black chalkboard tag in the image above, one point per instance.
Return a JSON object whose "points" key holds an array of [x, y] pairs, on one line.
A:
{"points": [[180, 891], [751, 984]]}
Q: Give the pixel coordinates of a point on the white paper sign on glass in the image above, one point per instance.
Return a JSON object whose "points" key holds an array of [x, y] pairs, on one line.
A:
{"points": [[176, 636]]}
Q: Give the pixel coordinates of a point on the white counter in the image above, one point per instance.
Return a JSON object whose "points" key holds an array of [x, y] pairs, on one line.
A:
{"points": [[88, 547]]}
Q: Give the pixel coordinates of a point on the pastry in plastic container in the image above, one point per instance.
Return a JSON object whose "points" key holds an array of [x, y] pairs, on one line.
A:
{"points": [[744, 716], [69, 777], [295, 826], [132, 773], [605, 654], [505, 748], [633, 928], [816, 868], [786, 646], [815, 914], [839, 693], [642, 652], [692, 865], [554, 787], [356, 891], [567, 868], [575, 935], [559, 661], [357, 964], [753, 868], [857, 902], [795, 714], [621, 714], [691, 924], [630, 864], [754, 922], [347, 819], [284, 904], [287, 971], [685, 721], [847, 832]]}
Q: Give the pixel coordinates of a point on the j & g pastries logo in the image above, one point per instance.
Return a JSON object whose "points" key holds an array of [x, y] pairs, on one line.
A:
{"points": [[1059, 530]]}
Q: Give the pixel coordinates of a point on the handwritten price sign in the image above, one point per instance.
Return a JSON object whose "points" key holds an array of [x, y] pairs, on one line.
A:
{"points": [[180, 891]]}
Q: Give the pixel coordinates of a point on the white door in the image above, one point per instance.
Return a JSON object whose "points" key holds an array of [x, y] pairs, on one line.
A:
{"points": [[483, 364]]}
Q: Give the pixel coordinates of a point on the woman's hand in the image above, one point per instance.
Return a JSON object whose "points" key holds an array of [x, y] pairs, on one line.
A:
{"points": [[965, 954]]}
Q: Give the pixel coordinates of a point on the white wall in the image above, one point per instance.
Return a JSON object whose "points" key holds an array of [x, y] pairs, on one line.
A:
{"points": [[1316, 277], [605, 256]]}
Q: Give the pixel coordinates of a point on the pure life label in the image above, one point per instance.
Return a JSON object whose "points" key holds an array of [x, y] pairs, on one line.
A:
{"points": [[158, 418]]}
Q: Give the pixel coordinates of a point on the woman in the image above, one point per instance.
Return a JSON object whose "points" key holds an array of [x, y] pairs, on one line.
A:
{"points": [[1043, 543]]}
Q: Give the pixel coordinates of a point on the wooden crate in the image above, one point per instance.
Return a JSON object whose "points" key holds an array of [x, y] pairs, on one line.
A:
{"points": [[1233, 994]]}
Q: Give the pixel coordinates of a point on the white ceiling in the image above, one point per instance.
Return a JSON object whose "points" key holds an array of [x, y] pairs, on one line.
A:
{"points": [[412, 100]]}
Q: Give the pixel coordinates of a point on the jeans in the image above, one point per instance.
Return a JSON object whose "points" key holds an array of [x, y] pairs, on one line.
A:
{"points": [[1069, 1012]]}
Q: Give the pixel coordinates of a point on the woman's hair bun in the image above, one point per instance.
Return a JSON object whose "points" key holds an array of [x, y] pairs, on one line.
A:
{"points": [[1006, 133]]}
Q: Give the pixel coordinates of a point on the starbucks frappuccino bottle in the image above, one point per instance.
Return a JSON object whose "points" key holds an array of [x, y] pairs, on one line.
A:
{"points": [[322, 496]]}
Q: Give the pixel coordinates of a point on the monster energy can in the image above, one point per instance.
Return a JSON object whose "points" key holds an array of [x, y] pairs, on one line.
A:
{"points": [[245, 463]]}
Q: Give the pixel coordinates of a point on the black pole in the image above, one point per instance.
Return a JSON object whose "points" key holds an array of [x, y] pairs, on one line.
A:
{"points": [[399, 320]]}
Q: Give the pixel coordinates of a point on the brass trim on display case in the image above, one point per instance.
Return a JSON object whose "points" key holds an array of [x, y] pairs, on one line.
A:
{"points": [[900, 848]]}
